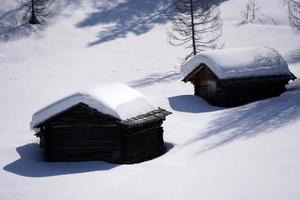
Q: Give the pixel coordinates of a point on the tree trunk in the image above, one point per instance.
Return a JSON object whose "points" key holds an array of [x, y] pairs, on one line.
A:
{"points": [[33, 19], [32, 7], [253, 10], [193, 28]]}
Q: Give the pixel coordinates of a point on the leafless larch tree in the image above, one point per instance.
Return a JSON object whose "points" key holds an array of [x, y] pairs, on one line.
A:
{"points": [[36, 10], [196, 24], [252, 14], [294, 14]]}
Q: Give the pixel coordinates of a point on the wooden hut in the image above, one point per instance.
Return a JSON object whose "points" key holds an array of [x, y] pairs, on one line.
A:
{"points": [[232, 77], [113, 123]]}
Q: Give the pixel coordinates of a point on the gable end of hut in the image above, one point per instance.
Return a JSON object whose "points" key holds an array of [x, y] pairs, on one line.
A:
{"points": [[82, 133], [206, 84]]}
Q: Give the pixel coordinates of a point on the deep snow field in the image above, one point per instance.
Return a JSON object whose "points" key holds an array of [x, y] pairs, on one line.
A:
{"points": [[248, 152]]}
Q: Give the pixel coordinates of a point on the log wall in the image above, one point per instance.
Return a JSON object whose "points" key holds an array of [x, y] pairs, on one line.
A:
{"points": [[235, 92], [244, 93], [82, 133], [143, 143], [206, 85]]}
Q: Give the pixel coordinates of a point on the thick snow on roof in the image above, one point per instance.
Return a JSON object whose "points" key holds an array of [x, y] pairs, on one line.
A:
{"points": [[114, 99], [239, 62]]}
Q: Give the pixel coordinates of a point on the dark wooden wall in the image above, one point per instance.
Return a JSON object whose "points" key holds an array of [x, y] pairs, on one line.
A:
{"points": [[247, 91], [143, 143], [235, 91], [206, 85], [82, 133]]}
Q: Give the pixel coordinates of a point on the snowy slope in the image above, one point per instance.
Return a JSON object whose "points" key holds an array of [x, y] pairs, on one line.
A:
{"points": [[249, 152]]}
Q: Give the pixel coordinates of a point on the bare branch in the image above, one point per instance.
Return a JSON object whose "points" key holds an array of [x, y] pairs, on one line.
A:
{"points": [[196, 24], [252, 14], [36, 11], [294, 14]]}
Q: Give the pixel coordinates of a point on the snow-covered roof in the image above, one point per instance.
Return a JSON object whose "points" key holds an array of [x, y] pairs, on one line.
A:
{"points": [[114, 99], [239, 62]]}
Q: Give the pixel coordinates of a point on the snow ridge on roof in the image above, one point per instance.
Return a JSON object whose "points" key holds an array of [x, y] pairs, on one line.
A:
{"points": [[239, 62], [114, 99]]}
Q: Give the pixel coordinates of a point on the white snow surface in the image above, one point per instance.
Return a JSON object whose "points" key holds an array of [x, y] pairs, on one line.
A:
{"points": [[114, 99], [239, 62], [250, 152]]}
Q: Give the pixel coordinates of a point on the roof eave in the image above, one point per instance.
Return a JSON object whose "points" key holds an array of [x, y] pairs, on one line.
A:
{"points": [[234, 81], [192, 73], [155, 115], [44, 122], [293, 77]]}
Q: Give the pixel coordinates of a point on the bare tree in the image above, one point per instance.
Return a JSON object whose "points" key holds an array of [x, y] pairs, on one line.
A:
{"points": [[253, 14], [36, 10], [294, 14], [196, 24], [251, 11]]}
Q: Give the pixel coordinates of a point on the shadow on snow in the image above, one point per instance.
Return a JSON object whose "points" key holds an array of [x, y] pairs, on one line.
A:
{"points": [[129, 16], [124, 17], [191, 104], [119, 17], [13, 25], [250, 120], [155, 78], [31, 164]]}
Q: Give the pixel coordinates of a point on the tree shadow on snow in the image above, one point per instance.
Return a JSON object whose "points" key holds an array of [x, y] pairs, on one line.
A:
{"points": [[129, 16], [155, 78], [31, 164], [250, 120], [124, 17], [13, 26], [217, 2], [191, 104]]}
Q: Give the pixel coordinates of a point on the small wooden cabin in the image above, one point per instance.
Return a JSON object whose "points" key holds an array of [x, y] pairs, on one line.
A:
{"points": [[232, 77], [113, 123]]}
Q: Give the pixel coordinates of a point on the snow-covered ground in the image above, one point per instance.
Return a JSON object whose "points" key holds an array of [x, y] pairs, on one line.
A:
{"points": [[248, 152]]}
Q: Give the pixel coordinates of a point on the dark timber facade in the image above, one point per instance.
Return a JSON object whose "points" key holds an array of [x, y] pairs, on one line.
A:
{"points": [[235, 91], [81, 133]]}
